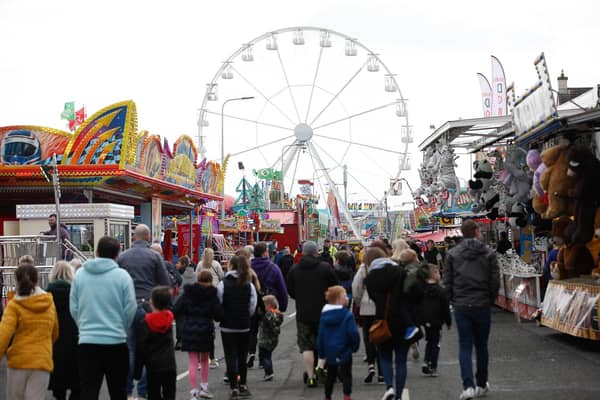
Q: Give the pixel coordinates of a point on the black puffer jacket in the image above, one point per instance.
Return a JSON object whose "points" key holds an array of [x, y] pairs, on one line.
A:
{"points": [[199, 306], [471, 274], [154, 344], [433, 309], [307, 283]]}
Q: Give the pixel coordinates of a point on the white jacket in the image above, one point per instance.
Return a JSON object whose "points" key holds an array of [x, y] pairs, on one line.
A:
{"points": [[359, 293]]}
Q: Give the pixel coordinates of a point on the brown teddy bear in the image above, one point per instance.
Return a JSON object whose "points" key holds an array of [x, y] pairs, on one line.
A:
{"points": [[555, 181], [584, 168], [574, 259]]}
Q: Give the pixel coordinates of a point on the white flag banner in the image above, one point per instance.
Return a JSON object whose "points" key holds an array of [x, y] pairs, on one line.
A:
{"points": [[498, 89], [486, 95]]}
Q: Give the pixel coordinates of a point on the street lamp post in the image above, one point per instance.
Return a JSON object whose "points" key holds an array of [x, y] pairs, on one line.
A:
{"points": [[223, 147]]}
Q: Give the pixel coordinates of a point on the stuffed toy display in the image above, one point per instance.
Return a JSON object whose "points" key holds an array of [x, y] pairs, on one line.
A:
{"points": [[490, 199], [574, 259], [517, 216], [516, 177], [556, 182], [538, 195], [584, 168], [481, 183]]}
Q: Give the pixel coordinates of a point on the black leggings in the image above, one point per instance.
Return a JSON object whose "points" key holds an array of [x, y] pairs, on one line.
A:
{"points": [[235, 346], [370, 348], [345, 373]]}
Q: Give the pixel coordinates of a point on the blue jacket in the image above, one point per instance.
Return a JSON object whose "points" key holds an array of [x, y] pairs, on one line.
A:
{"points": [[270, 275], [338, 335], [102, 302]]}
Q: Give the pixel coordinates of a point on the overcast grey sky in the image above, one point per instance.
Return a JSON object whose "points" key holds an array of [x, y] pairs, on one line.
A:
{"points": [[161, 54]]}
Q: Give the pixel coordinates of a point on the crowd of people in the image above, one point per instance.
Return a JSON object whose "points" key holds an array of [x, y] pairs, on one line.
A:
{"points": [[112, 318]]}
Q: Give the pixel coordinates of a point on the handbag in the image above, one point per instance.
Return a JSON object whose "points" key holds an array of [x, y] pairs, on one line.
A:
{"points": [[379, 332]]}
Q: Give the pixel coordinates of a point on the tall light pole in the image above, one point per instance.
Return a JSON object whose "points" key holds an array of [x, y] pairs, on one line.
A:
{"points": [[223, 147]]}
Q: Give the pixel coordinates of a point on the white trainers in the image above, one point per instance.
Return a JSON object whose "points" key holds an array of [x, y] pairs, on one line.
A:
{"points": [[213, 363], [482, 391], [389, 394], [205, 394], [468, 393], [194, 393]]}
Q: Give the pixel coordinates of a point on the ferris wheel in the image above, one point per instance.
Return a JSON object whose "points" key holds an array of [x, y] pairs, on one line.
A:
{"points": [[315, 104]]}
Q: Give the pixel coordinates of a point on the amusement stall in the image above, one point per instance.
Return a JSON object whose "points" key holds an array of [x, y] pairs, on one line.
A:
{"points": [[104, 167], [531, 185]]}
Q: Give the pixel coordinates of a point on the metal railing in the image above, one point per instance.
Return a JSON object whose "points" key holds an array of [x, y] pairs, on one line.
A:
{"points": [[44, 249], [8, 280]]}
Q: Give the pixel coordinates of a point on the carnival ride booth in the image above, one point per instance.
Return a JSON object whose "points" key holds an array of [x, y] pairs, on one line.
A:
{"points": [[105, 164], [86, 223]]}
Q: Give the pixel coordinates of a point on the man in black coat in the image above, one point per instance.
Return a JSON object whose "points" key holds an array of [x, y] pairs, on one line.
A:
{"points": [[307, 283], [472, 279]]}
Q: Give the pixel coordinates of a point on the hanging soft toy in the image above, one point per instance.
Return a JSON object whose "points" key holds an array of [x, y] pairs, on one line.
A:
{"points": [[574, 259], [481, 183], [556, 182], [539, 197], [490, 199], [518, 215], [516, 177], [584, 167]]}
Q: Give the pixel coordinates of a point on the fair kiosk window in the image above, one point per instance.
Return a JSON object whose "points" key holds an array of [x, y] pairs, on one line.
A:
{"points": [[82, 235], [120, 232]]}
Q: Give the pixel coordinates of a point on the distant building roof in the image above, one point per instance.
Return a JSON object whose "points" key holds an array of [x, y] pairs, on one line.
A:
{"points": [[572, 92]]}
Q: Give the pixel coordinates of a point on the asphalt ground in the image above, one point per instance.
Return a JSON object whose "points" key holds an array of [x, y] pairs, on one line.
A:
{"points": [[526, 362]]}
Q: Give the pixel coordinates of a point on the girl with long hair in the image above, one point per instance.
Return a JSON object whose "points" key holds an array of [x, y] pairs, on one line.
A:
{"points": [[28, 329], [238, 296]]}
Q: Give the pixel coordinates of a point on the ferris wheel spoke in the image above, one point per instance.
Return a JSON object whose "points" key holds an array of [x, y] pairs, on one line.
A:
{"points": [[312, 90], [359, 144], [333, 188], [261, 145], [268, 100], [338, 93], [286, 149], [294, 174], [338, 163], [252, 121], [358, 114], [287, 81]]}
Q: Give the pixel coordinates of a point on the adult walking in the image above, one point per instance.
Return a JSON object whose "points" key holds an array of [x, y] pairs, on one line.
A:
{"points": [[472, 280], [307, 283], [285, 262], [102, 304], [146, 269], [385, 286], [64, 353], [238, 296], [271, 282]]}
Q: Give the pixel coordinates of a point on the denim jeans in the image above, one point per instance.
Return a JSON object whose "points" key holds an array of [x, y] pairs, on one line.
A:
{"points": [[400, 351], [265, 356], [473, 325], [142, 386]]}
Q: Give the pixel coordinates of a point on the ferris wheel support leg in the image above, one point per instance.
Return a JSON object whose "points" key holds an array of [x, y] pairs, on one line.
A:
{"points": [[333, 187]]}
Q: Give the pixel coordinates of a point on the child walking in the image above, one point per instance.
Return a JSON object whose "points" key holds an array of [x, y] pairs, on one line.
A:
{"points": [[432, 312], [270, 327], [155, 349], [199, 307], [338, 339], [30, 326]]}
